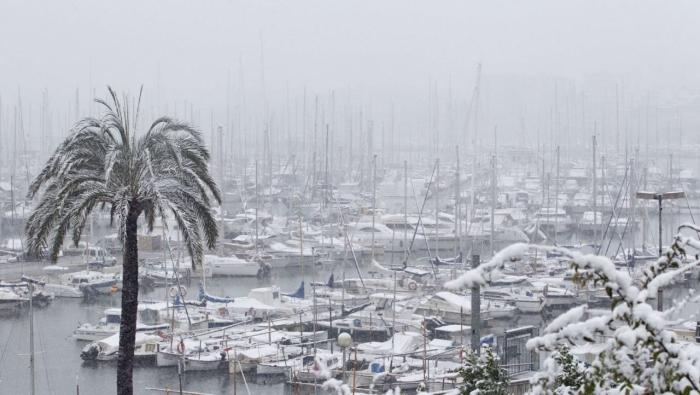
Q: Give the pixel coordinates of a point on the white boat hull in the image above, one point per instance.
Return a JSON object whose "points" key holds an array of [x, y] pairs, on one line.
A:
{"points": [[63, 291], [92, 335], [165, 358], [193, 364], [248, 269], [272, 370], [529, 306]]}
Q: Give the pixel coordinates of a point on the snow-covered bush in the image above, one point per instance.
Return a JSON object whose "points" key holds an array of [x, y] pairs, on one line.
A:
{"points": [[638, 354], [483, 375], [563, 374]]}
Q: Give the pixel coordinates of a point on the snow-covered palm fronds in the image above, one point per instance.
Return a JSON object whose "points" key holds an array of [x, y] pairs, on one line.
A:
{"points": [[104, 164], [637, 352]]}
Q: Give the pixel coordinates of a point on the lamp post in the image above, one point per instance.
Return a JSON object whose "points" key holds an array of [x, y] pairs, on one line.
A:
{"points": [[344, 341], [660, 197]]}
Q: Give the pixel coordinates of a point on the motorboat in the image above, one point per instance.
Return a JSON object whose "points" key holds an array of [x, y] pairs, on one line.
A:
{"points": [[170, 353], [454, 308], [107, 349], [283, 365], [92, 282], [525, 300], [290, 254], [10, 300], [160, 275], [310, 371], [209, 357], [233, 266], [109, 325], [56, 287]]}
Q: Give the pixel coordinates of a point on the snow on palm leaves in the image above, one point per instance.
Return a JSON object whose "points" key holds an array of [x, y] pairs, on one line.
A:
{"points": [[638, 354], [103, 164]]}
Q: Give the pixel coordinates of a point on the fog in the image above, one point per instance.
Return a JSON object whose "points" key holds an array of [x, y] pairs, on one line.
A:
{"points": [[258, 60], [370, 155]]}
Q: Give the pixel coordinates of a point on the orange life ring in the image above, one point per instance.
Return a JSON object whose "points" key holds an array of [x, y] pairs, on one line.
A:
{"points": [[412, 286]]}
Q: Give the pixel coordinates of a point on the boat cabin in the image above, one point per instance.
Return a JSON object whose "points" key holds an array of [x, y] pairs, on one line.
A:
{"points": [[113, 316], [459, 334]]}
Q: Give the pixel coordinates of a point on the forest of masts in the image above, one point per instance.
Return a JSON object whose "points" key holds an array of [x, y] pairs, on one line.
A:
{"points": [[331, 137]]}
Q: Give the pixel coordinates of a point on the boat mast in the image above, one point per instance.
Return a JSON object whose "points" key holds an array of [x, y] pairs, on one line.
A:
{"points": [[437, 206], [30, 285], [326, 194], [632, 218], [301, 248], [374, 199], [12, 202], [604, 193], [493, 202], [313, 288], [393, 316], [405, 210], [556, 199], [345, 259], [475, 101], [458, 222], [221, 180], [257, 205], [595, 192]]}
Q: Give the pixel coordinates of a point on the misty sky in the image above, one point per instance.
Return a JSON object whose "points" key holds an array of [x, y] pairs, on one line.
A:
{"points": [[383, 45], [380, 51]]}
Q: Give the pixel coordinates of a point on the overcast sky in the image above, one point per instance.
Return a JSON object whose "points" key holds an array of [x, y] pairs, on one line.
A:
{"points": [[386, 44], [382, 50]]}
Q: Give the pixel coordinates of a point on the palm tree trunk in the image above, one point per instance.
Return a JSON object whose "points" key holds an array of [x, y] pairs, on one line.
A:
{"points": [[130, 293]]}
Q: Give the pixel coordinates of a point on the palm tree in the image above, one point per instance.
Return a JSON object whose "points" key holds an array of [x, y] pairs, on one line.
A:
{"points": [[103, 164]]}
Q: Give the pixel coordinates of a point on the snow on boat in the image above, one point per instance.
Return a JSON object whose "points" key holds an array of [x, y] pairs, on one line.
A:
{"points": [[107, 349], [230, 266], [109, 325]]}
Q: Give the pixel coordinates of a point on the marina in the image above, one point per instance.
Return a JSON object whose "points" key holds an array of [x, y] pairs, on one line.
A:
{"points": [[349, 198], [272, 322]]}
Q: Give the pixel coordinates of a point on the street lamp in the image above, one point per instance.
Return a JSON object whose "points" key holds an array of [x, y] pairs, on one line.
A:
{"points": [[344, 341], [660, 196]]}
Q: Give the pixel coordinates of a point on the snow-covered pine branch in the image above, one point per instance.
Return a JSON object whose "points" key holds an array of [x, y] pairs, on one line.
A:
{"points": [[637, 353]]}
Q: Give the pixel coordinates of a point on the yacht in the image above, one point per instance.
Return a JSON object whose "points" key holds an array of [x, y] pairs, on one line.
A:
{"points": [[10, 300], [109, 325], [454, 308], [59, 288], [107, 349], [232, 266], [92, 282]]}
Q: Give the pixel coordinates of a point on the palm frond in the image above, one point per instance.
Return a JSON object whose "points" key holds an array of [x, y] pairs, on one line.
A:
{"points": [[102, 164]]}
